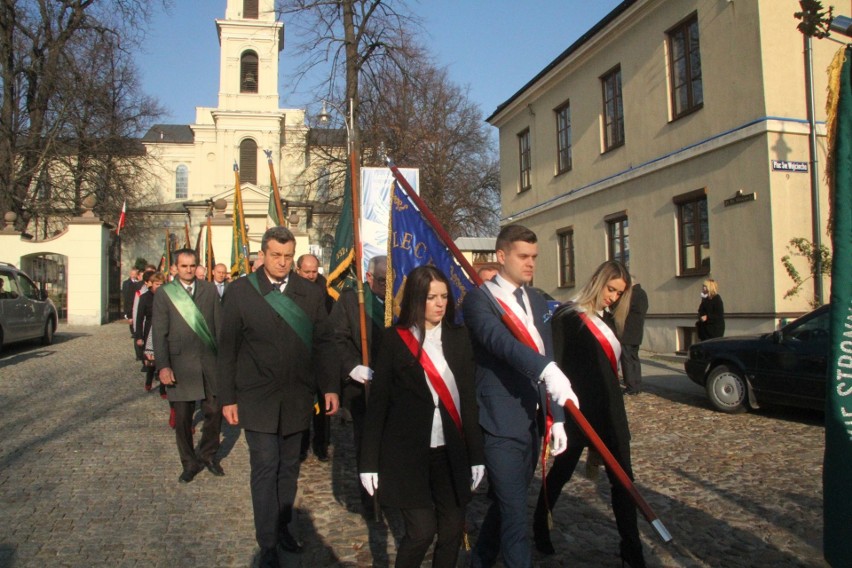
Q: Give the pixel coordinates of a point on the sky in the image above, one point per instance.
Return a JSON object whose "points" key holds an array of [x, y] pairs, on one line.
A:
{"points": [[492, 47]]}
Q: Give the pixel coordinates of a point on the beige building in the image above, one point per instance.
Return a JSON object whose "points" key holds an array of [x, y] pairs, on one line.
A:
{"points": [[194, 164], [672, 136]]}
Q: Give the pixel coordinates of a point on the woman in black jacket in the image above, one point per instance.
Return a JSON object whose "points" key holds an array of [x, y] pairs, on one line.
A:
{"points": [[422, 446], [142, 332], [587, 349], [711, 312]]}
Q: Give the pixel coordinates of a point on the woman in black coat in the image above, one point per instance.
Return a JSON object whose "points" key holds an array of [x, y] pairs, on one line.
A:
{"points": [[142, 332], [711, 312], [587, 349], [422, 446]]}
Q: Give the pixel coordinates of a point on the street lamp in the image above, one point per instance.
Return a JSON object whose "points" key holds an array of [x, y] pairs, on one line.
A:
{"points": [[324, 118]]}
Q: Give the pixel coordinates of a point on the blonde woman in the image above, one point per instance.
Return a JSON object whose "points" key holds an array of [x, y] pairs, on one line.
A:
{"points": [[587, 349], [711, 312]]}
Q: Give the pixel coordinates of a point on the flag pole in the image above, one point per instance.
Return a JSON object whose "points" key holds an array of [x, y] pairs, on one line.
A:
{"points": [[209, 248], [578, 417], [279, 210]]}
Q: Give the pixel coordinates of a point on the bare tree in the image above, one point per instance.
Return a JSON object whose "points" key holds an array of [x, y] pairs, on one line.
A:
{"points": [[41, 42], [424, 120]]}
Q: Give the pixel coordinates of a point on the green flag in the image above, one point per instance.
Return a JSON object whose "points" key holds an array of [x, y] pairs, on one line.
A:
{"points": [[239, 248], [837, 467], [341, 270]]}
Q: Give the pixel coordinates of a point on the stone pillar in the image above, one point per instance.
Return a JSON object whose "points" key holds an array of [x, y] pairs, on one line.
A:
{"points": [[88, 273]]}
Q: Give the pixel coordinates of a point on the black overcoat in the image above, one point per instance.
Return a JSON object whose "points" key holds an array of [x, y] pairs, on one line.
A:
{"points": [[398, 427], [264, 367], [581, 357]]}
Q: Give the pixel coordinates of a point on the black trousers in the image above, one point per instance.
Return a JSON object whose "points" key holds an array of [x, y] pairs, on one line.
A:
{"points": [[212, 425], [446, 518], [322, 429], [631, 367], [622, 506], [275, 464]]}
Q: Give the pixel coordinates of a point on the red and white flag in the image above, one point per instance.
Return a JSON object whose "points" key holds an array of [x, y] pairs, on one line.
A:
{"points": [[122, 219]]}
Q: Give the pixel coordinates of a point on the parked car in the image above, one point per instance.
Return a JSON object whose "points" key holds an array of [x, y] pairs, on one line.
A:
{"points": [[786, 367], [25, 311]]}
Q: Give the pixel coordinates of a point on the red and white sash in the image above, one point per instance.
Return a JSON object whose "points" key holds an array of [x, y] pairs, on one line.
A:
{"points": [[605, 336], [436, 380], [523, 319]]}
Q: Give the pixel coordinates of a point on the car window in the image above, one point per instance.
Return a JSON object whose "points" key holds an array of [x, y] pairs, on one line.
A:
{"points": [[814, 329], [8, 287], [28, 288]]}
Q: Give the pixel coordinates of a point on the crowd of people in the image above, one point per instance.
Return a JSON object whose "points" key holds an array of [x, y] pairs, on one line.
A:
{"points": [[436, 407]]}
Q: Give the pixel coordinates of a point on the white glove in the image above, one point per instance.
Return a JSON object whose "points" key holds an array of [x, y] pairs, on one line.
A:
{"points": [[558, 385], [477, 472], [558, 439], [361, 374], [370, 481]]}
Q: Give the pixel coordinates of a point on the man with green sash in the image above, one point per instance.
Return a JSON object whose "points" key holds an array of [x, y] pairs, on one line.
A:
{"points": [[345, 321], [185, 318], [274, 354]]}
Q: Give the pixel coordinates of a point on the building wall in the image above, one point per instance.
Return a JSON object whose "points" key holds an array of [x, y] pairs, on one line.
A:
{"points": [[753, 112]]}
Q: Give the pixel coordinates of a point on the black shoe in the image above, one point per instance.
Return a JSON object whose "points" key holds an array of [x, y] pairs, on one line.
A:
{"points": [[189, 474], [632, 391], [544, 545], [631, 555], [303, 456], [268, 558], [321, 456], [288, 543], [214, 468]]}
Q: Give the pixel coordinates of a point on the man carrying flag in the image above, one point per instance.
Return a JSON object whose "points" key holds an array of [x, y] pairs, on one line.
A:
{"points": [[510, 392]]}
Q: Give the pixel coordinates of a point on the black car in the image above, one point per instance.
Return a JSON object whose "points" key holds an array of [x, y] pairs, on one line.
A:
{"points": [[786, 367]]}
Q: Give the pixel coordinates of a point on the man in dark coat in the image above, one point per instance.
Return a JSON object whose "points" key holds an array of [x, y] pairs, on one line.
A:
{"points": [[274, 351], [510, 392], [185, 323], [307, 266], [220, 279], [631, 339], [346, 326]]}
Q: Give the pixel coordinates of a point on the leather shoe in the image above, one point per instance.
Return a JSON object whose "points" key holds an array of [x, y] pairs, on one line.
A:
{"points": [[189, 474], [322, 456], [288, 543], [544, 545], [268, 558], [214, 468]]}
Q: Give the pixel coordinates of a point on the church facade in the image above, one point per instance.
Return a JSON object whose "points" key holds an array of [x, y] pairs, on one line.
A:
{"points": [[192, 165]]}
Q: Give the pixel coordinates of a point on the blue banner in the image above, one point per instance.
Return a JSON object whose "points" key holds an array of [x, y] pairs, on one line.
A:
{"points": [[414, 243]]}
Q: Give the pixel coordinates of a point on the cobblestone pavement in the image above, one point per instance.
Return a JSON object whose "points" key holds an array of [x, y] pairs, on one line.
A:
{"points": [[88, 477]]}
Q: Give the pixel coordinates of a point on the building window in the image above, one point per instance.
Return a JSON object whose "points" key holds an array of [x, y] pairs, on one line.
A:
{"points": [[565, 244], [613, 109], [563, 138], [685, 62], [181, 182], [248, 72], [618, 237], [525, 159], [250, 9], [693, 233], [248, 161]]}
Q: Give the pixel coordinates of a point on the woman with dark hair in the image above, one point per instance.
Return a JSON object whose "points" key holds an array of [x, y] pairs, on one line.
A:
{"points": [[142, 333], [422, 446], [587, 349]]}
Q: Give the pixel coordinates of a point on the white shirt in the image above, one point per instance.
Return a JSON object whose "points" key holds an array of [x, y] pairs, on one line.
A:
{"points": [[432, 347]]}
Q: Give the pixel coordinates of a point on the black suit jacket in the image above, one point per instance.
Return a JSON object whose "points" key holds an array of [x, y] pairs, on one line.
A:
{"points": [[634, 325], [144, 313], [398, 428], [128, 294], [265, 367], [346, 327]]}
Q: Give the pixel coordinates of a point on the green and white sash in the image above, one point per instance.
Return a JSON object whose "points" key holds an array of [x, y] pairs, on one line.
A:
{"points": [[190, 313], [290, 312]]}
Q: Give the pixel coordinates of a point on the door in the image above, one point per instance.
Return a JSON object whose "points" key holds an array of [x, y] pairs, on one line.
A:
{"points": [[795, 364]]}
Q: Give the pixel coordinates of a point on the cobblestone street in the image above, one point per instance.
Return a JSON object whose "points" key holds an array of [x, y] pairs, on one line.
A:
{"points": [[89, 468]]}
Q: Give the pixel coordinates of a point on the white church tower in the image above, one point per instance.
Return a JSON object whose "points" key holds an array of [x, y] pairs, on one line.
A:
{"points": [[194, 162]]}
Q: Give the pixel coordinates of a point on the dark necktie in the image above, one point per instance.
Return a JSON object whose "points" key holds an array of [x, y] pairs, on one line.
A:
{"points": [[276, 286], [189, 290], [519, 294]]}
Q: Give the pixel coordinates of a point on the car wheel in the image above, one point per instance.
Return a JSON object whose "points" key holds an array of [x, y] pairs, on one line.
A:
{"points": [[47, 338], [726, 389]]}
